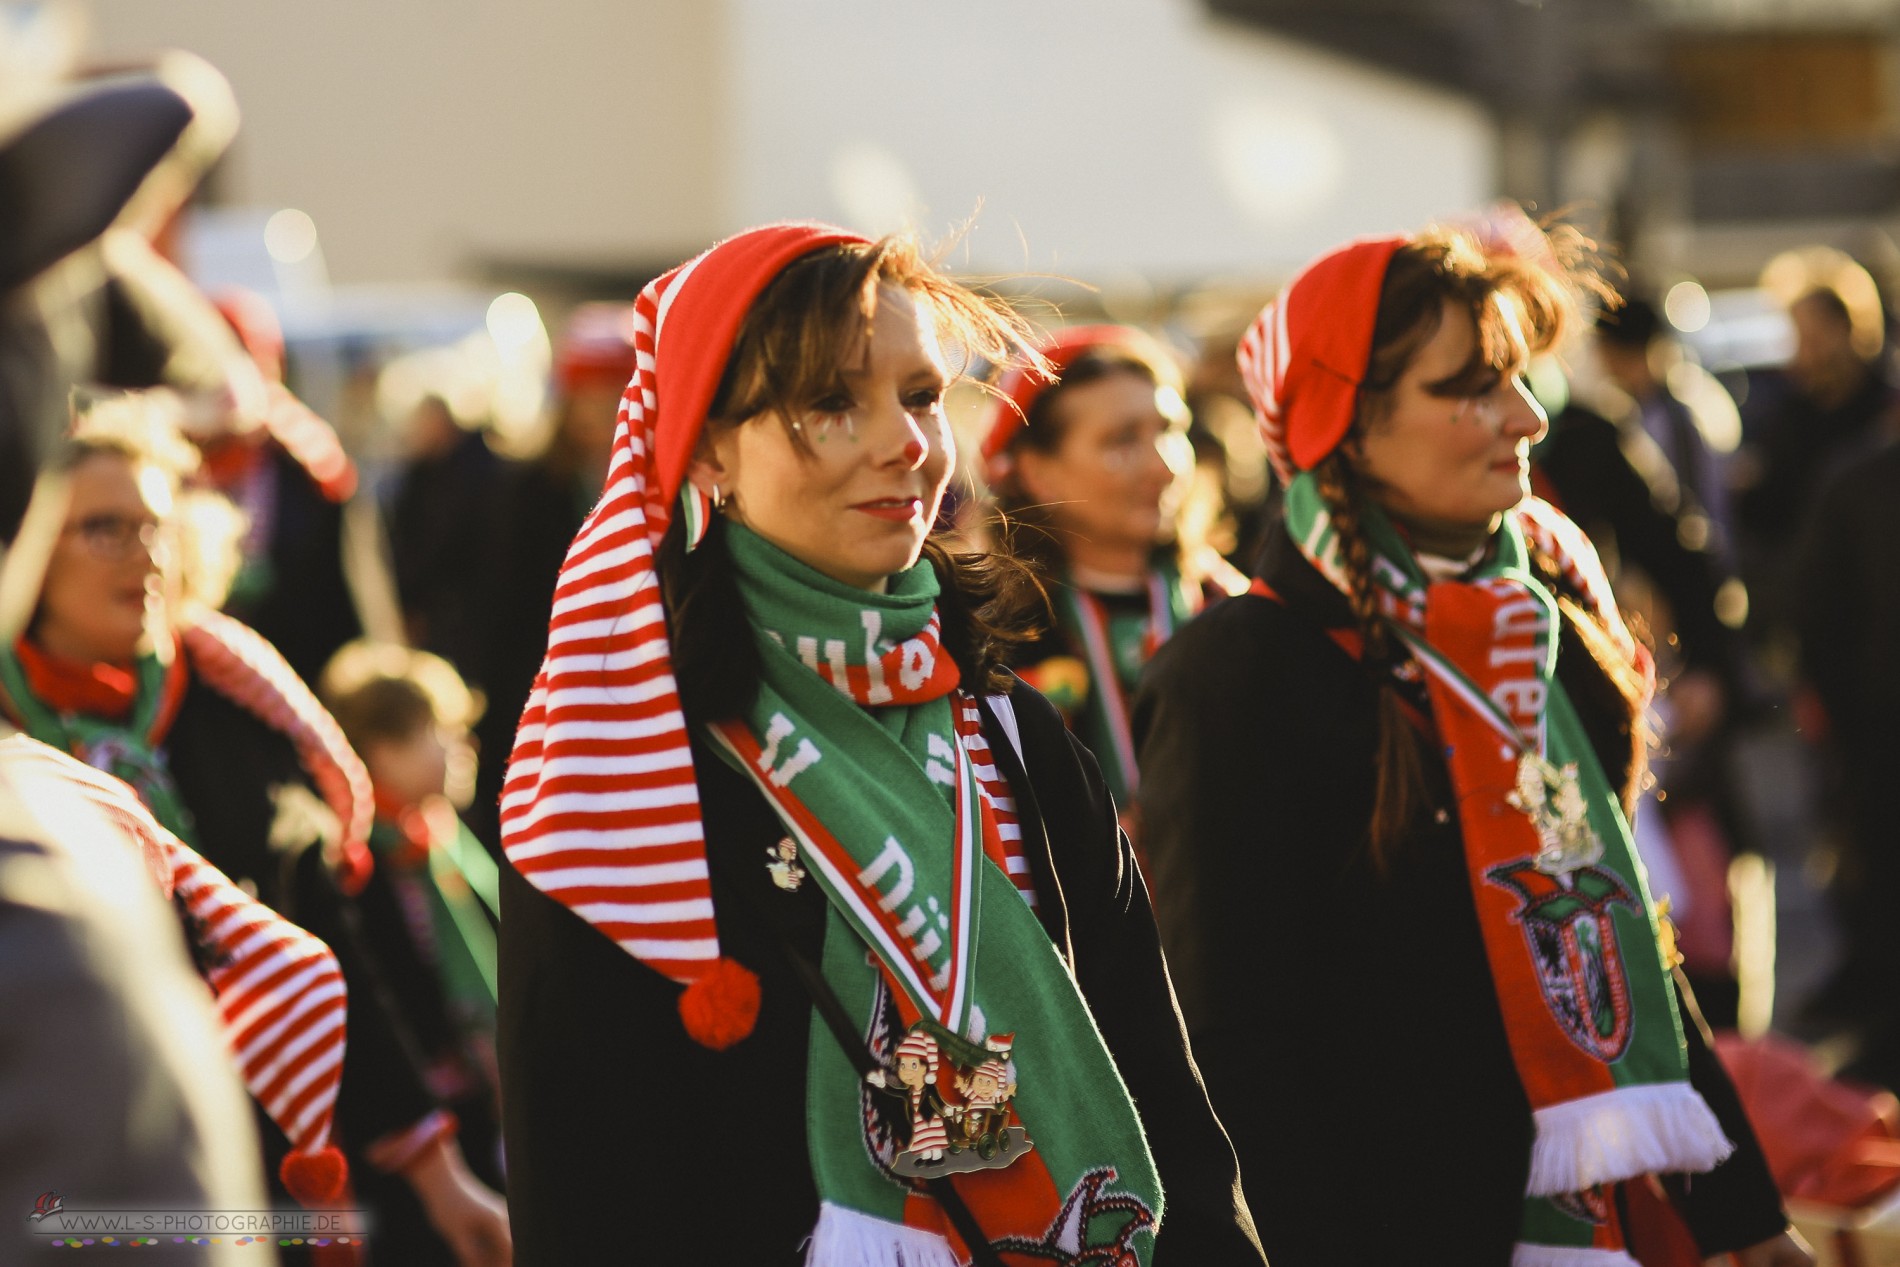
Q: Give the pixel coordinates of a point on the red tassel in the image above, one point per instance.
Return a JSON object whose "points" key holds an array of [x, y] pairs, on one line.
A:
{"points": [[315, 1178], [722, 1006]]}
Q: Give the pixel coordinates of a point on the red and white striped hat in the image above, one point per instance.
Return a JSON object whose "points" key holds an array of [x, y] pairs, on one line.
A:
{"points": [[279, 991], [238, 663], [600, 809], [920, 1046], [1306, 353]]}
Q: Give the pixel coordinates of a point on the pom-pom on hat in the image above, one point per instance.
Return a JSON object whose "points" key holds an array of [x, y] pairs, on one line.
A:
{"points": [[1020, 388], [1306, 353], [600, 810]]}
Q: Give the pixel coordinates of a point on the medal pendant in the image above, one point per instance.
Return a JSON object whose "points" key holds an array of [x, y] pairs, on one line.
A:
{"points": [[969, 1124], [1552, 798]]}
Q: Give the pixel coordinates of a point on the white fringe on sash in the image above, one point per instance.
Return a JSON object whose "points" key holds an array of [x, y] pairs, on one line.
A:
{"points": [[1566, 1256], [1657, 1128], [847, 1238]]}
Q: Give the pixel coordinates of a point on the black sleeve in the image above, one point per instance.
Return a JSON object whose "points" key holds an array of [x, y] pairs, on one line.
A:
{"points": [[382, 1089], [1737, 1204], [1209, 766], [1121, 972]]}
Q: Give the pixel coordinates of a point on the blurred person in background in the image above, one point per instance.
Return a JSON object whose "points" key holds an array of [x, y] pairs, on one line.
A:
{"points": [[548, 499], [1635, 348], [1848, 618], [1832, 404], [289, 474], [772, 729], [1090, 470], [430, 906], [448, 536], [1384, 800], [127, 664]]}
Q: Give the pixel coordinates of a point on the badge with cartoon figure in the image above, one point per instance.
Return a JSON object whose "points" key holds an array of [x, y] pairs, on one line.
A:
{"points": [[782, 864], [976, 1131]]}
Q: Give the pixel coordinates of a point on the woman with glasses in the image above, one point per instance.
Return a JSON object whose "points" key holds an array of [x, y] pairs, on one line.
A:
{"points": [[1385, 801], [1090, 466], [126, 665]]}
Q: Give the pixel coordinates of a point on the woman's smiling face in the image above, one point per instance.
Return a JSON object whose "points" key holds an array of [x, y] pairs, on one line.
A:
{"points": [[853, 488]]}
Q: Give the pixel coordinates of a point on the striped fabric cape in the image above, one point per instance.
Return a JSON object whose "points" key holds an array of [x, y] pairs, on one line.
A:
{"points": [[279, 991], [600, 809]]}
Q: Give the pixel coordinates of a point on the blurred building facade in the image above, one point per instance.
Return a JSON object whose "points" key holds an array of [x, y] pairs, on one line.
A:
{"points": [[584, 144], [1707, 134]]}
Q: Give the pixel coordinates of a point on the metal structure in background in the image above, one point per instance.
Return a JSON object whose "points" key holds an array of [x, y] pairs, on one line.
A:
{"points": [[1716, 122]]}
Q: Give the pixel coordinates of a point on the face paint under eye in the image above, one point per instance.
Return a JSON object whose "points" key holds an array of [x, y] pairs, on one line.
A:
{"points": [[820, 428]]}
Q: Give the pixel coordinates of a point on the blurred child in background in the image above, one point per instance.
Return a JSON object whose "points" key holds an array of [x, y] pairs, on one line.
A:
{"points": [[430, 909]]}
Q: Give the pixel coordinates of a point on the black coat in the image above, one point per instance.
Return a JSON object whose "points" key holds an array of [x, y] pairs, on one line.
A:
{"points": [[1347, 1023], [627, 1141]]}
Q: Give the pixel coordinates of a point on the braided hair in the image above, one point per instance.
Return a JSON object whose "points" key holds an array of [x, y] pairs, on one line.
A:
{"points": [[1422, 277], [1400, 792]]}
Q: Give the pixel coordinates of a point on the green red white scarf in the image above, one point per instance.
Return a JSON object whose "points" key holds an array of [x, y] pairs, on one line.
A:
{"points": [[236, 662], [36, 689], [854, 741], [1562, 899]]}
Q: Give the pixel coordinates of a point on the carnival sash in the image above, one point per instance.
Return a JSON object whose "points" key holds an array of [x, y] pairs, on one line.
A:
{"points": [[1562, 900], [1002, 1084], [1114, 649]]}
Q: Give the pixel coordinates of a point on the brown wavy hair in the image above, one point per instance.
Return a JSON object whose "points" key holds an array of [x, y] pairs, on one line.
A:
{"points": [[791, 351]]}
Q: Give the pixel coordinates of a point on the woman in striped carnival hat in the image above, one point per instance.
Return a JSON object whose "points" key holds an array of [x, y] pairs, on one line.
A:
{"points": [[1386, 797], [772, 758], [126, 665], [1090, 467]]}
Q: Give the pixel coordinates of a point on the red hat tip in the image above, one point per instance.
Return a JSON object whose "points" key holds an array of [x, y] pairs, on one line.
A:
{"points": [[721, 1006], [315, 1178]]}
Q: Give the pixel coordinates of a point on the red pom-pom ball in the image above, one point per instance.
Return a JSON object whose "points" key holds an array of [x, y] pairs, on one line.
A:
{"points": [[722, 1006], [315, 1178]]}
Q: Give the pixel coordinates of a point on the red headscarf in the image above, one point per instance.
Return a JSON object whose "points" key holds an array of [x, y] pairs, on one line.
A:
{"points": [[601, 809], [1306, 354]]}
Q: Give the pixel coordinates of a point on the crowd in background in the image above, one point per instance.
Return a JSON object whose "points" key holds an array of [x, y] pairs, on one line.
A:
{"points": [[1758, 552]]}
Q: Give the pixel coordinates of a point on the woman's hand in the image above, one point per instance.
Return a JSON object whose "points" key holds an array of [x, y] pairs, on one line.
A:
{"points": [[1786, 1250], [468, 1214]]}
